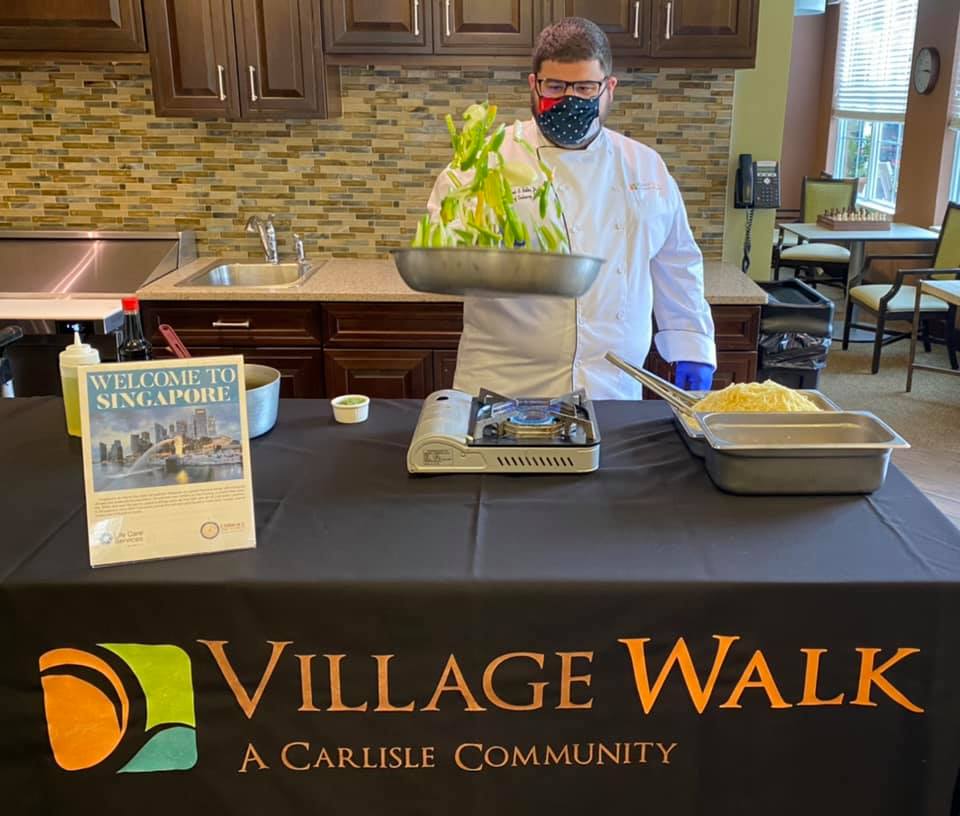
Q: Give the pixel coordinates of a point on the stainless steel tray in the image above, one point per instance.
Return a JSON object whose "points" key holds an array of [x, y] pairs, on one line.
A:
{"points": [[802, 453], [498, 273], [692, 433]]}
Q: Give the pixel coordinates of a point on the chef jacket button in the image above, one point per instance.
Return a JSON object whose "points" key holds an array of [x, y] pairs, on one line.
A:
{"points": [[618, 226], [619, 270], [577, 363], [620, 315]]}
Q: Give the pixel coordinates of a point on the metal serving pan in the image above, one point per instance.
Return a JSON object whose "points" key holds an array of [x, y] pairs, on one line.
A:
{"points": [[692, 433], [496, 273], [802, 453]]}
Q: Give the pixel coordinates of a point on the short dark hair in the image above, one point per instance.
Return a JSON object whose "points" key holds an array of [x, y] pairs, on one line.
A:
{"points": [[573, 39]]}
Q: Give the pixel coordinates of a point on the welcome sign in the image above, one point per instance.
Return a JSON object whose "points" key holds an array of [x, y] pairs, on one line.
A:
{"points": [[166, 459]]}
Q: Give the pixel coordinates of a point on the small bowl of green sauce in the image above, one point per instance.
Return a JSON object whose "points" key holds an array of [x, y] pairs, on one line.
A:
{"points": [[351, 408]]}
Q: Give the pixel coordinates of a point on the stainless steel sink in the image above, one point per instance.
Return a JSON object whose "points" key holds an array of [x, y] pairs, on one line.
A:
{"points": [[221, 273]]}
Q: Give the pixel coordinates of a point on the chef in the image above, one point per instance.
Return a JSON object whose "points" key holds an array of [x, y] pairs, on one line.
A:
{"points": [[620, 203]]}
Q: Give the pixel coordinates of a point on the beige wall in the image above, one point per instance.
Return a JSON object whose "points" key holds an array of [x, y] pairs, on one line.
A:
{"points": [[759, 109], [81, 147]]}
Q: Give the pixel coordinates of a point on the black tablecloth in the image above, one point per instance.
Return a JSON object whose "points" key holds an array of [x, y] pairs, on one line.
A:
{"points": [[832, 623]]}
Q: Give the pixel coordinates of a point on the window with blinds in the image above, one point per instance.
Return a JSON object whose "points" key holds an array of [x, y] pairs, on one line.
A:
{"points": [[955, 99], [874, 59], [954, 191]]}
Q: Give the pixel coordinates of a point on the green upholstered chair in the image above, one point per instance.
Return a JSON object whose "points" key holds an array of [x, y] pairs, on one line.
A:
{"points": [[896, 301], [817, 196]]}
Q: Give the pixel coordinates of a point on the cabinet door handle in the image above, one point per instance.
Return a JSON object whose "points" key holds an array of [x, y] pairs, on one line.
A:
{"points": [[227, 324], [636, 20], [253, 83], [416, 18], [220, 84], [446, 16], [669, 33]]}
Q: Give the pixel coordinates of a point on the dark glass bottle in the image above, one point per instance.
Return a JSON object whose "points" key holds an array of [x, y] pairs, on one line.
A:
{"points": [[133, 345]]}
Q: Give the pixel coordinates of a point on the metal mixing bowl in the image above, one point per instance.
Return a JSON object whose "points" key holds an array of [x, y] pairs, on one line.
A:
{"points": [[263, 398]]}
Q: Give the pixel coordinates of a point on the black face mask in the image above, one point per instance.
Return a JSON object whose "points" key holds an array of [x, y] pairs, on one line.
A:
{"points": [[567, 121]]}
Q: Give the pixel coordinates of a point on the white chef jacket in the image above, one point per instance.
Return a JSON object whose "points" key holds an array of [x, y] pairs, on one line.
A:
{"points": [[620, 203]]}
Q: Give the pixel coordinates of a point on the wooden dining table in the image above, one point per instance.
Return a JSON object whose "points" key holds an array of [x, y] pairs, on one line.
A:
{"points": [[949, 292], [857, 240]]}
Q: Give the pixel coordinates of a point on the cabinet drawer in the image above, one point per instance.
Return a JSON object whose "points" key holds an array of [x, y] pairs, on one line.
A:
{"points": [[732, 367], [735, 367], [736, 327], [301, 370], [392, 325], [444, 369], [399, 374], [235, 324]]}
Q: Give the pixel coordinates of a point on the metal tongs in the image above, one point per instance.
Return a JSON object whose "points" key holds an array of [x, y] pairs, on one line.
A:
{"points": [[674, 396]]}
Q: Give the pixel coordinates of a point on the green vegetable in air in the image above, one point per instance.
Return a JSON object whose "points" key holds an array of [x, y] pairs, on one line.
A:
{"points": [[480, 209]]}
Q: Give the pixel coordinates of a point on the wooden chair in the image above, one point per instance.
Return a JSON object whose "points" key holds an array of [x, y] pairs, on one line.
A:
{"points": [[817, 196], [896, 301]]}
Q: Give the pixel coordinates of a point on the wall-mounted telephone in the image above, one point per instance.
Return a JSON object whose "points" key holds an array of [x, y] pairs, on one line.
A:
{"points": [[758, 184], [757, 188]]}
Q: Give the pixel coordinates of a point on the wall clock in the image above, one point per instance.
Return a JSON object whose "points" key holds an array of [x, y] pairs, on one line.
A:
{"points": [[926, 70]]}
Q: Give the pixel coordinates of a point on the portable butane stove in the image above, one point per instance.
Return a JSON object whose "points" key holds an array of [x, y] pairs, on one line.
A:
{"points": [[460, 433]]}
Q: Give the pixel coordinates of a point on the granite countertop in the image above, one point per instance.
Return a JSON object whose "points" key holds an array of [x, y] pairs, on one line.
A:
{"points": [[379, 281]]}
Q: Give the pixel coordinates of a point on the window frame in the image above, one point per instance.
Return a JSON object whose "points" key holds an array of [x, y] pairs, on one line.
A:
{"points": [[868, 196], [953, 191], [872, 93]]}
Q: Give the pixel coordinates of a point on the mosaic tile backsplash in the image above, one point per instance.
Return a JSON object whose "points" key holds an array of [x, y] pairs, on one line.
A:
{"points": [[80, 147]]}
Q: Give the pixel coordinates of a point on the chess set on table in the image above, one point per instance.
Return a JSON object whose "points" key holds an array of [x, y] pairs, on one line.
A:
{"points": [[854, 218]]}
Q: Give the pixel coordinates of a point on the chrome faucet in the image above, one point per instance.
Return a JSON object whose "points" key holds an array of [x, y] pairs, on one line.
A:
{"points": [[298, 248], [268, 236]]}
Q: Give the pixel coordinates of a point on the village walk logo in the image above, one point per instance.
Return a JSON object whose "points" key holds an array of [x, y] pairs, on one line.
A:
{"points": [[90, 699], [88, 707]]}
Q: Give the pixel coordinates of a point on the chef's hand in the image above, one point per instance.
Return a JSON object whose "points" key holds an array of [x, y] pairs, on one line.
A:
{"points": [[694, 376]]}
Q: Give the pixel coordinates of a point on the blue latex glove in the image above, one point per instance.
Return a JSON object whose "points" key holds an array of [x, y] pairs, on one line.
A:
{"points": [[694, 376]]}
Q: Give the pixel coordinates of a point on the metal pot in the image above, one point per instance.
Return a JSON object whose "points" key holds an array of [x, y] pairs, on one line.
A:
{"points": [[496, 273], [263, 398]]}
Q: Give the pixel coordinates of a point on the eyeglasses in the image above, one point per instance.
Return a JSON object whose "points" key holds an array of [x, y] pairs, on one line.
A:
{"points": [[585, 89]]}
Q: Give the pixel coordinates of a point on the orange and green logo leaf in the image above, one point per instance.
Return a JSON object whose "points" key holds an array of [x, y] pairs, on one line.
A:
{"points": [[88, 709]]}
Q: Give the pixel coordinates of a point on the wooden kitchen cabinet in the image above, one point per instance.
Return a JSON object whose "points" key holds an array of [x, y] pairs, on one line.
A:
{"points": [[625, 22], [488, 27], [72, 25], [444, 368], [736, 331], [378, 26], [379, 373], [653, 33], [710, 29], [239, 59], [432, 28], [301, 370], [391, 350], [193, 58], [396, 350], [285, 336], [280, 55]]}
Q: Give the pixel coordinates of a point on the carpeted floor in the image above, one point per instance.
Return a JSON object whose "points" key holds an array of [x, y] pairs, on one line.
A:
{"points": [[928, 417]]}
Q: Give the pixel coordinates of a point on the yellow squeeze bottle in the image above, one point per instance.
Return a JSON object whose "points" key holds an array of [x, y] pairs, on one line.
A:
{"points": [[71, 358]]}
